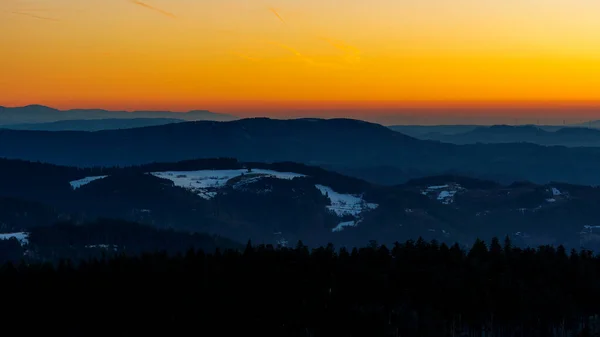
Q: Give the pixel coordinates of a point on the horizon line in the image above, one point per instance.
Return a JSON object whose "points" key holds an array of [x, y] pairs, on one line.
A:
{"points": [[408, 119], [344, 104]]}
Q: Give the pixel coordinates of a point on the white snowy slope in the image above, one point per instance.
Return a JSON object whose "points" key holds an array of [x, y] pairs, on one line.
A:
{"points": [[341, 225], [205, 183], [345, 205], [22, 237], [445, 193], [75, 184], [446, 197]]}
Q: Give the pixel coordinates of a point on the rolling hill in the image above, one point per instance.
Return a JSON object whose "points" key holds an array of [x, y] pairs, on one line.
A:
{"points": [[343, 145], [282, 203]]}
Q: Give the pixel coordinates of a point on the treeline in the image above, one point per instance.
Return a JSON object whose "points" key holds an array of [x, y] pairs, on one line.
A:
{"points": [[104, 237], [412, 289]]}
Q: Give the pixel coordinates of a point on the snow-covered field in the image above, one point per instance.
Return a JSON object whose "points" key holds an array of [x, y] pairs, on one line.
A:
{"points": [[78, 183], [205, 183], [444, 193], [345, 205], [22, 237]]}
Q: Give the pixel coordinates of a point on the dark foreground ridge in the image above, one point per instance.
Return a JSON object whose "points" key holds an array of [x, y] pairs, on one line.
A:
{"points": [[413, 289]]}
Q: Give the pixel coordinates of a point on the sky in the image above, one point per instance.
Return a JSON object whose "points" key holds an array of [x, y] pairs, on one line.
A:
{"points": [[433, 59]]}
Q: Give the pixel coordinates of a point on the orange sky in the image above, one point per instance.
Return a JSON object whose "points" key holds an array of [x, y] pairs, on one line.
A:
{"points": [[274, 57]]}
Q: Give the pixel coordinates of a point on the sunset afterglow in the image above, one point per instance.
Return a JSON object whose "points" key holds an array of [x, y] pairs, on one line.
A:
{"points": [[261, 57]]}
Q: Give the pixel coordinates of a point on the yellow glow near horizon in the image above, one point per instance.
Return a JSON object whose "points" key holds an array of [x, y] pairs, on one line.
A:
{"points": [[192, 54]]}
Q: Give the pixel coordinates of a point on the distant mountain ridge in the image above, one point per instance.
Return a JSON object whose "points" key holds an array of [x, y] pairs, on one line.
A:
{"points": [[44, 114], [342, 145], [434, 131], [93, 124], [560, 136], [594, 124]]}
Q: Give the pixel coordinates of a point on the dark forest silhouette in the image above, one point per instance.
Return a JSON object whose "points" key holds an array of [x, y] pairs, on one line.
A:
{"points": [[416, 288]]}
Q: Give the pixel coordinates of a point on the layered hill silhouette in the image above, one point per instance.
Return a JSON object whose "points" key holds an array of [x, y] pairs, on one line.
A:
{"points": [[350, 146], [550, 136], [93, 124], [429, 131], [42, 114]]}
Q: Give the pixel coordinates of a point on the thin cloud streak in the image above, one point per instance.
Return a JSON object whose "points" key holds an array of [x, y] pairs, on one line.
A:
{"points": [[36, 16], [277, 15], [145, 5]]}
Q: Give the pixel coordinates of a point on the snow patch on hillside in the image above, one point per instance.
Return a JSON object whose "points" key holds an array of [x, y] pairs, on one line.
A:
{"points": [[103, 246], [341, 225], [446, 197], [202, 183], [437, 187], [22, 237], [206, 183], [75, 184], [344, 205], [443, 193], [589, 229]]}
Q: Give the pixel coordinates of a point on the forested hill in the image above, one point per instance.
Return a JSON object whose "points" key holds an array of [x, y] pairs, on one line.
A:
{"points": [[345, 145], [415, 289], [282, 203], [103, 237]]}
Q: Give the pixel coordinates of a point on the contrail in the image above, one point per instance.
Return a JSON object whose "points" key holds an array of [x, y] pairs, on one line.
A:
{"points": [[277, 15], [35, 16], [143, 4]]}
